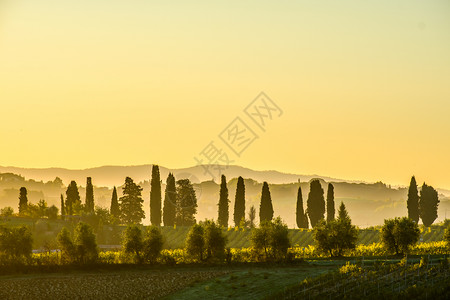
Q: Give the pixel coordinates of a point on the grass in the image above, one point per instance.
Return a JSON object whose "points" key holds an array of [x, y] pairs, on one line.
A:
{"points": [[250, 283]]}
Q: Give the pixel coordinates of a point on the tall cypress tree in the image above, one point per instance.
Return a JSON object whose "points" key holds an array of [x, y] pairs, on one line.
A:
{"points": [[73, 200], [302, 219], [89, 204], [265, 208], [131, 203], [223, 203], [239, 202], [316, 203], [330, 202], [413, 201], [23, 200], [115, 208], [63, 209], [428, 204], [170, 201], [155, 197]]}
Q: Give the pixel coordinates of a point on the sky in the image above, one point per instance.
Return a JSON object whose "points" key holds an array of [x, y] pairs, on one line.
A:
{"points": [[363, 88]]}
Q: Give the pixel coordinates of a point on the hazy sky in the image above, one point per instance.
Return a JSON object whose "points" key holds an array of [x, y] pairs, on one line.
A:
{"points": [[364, 86]]}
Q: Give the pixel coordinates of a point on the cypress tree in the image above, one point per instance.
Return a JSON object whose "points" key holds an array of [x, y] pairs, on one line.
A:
{"points": [[252, 216], [170, 201], [315, 203], [342, 213], [115, 208], [239, 202], [330, 202], [428, 204], [265, 208], [131, 203], [302, 219], [63, 209], [155, 197], [23, 200], [73, 201], [413, 201], [89, 204], [223, 203]]}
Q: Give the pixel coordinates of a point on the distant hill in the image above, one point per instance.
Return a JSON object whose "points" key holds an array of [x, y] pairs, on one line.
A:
{"points": [[368, 203], [115, 175]]}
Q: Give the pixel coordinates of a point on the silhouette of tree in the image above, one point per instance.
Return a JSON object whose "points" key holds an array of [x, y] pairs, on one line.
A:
{"points": [[155, 197], [186, 203], [252, 216], [170, 198], [115, 208], [89, 204], [223, 203], [239, 202], [265, 208], [131, 203], [428, 204], [73, 201], [302, 219], [63, 209], [23, 200], [413, 201], [330, 202], [316, 203]]}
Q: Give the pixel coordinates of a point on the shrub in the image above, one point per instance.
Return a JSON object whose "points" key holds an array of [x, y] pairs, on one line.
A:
{"points": [[195, 242], [132, 242], [82, 248]]}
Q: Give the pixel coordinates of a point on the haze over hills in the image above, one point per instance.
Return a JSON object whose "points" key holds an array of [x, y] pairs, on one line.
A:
{"points": [[115, 175], [368, 203]]}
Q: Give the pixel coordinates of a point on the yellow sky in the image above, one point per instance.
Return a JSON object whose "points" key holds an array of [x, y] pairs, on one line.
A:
{"points": [[364, 87]]}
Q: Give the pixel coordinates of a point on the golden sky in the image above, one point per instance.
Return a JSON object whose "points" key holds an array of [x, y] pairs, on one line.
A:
{"points": [[364, 86]]}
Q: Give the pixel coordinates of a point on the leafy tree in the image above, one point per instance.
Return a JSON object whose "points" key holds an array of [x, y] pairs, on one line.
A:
{"points": [[82, 248], [132, 242], [115, 208], [131, 203], [7, 211], [330, 202], [186, 203], [223, 203], [265, 208], [316, 203], [398, 234], [155, 197], [170, 199], [63, 209], [252, 216], [214, 240], [447, 234], [73, 201], [302, 219], [239, 202], [85, 243], [68, 252], [336, 236], [428, 204], [103, 216], [195, 242], [152, 244], [271, 239], [413, 201], [15, 242], [23, 200], [52, 212], [89, 205]]}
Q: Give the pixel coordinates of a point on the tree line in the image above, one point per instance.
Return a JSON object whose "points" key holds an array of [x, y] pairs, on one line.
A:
{"points": [[180, 203]]}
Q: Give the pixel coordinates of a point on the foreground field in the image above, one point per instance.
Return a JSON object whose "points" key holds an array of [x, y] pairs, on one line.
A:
{"points": [[150, 284]]}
